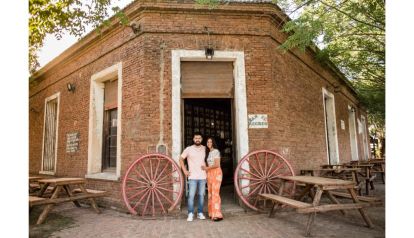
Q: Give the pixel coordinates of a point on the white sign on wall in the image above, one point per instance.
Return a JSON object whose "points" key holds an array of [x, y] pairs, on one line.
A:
{"points": [[258, 121], [342, 125]]}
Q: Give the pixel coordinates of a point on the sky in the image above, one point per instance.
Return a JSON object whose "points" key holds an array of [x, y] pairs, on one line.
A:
{"points": [[53, 47]]}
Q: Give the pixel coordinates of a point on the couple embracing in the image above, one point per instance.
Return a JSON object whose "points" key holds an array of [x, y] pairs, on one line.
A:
{"points": [[203, 164]]}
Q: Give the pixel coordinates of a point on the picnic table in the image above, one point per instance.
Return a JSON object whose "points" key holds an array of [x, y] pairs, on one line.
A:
{"points": [[369, 176], [323, 186], [337, 172], [58, 185]]}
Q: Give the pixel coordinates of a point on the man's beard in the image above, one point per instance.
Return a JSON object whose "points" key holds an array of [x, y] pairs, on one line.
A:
{"points": [[197, 143]]}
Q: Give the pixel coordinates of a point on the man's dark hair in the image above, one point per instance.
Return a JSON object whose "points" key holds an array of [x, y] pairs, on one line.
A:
{"points": [[197, 134]]}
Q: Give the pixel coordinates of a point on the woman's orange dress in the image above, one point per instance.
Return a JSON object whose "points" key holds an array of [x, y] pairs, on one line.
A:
{"points": [[214, 178]]}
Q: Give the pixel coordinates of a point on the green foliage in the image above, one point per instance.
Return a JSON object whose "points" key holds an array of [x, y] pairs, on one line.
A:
{"points": [[351, 34], [59, 16]]}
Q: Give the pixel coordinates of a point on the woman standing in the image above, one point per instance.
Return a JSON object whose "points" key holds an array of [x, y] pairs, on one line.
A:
{"points": [[214, 178]]}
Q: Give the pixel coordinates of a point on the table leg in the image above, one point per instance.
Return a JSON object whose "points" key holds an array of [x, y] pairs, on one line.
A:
{"points": [[48, 207], [70, 194], [304, 192], [334, 200], [273, 210], [311, 216], [92, 200], [361, 210], [43, 189]]}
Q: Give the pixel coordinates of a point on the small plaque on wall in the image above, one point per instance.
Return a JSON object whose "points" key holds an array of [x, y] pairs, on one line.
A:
{"points": [[258, 121], [342, 125], [72, 142]]}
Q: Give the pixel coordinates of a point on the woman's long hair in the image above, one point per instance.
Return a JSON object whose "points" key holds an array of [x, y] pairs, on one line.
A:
{"points": [[208, 150]]}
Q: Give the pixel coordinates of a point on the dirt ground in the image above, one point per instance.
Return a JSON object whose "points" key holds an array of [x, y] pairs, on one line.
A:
{"points": [[66, 220]]}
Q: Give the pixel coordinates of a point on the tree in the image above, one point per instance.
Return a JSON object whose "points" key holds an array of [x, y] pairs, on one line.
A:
{"points": [[349, 33], [59, 16]]}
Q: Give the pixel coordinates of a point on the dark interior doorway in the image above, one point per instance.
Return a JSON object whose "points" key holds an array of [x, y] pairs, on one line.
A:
{"points": [[212, 117]]}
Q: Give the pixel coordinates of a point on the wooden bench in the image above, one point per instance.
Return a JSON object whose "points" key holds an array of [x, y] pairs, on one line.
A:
{"points": [[283, 200], [360, 198]]}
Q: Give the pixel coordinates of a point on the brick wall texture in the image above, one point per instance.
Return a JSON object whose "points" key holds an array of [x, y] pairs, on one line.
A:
{"points": [[285, 86]]}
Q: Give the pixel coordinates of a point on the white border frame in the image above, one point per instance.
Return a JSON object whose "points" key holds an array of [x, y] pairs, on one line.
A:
{"points": [[326, 93], [355, 133], [365, 142], [56, 95], [96, 102], [240, 98]]}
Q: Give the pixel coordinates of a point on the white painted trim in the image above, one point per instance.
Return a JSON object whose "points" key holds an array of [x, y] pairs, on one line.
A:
{"points": [[326, 93], [96, 122], [365, 143], [56, 95], [242, 139], [354, 157]]}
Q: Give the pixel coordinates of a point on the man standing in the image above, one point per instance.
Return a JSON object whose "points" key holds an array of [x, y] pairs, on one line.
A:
{"points": [[196, 176]]}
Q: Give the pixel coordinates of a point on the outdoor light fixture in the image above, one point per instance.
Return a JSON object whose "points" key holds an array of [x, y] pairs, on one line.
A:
{"points": [[71, 87], [209, 51]]}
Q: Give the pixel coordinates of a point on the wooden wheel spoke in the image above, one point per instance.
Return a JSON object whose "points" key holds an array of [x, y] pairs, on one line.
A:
{"points": [[169, 200], [150, 161], [138, 187], [271, 167], [145, 170], [156, 168], [136, 194], [260, 164], [162, 171], [159, 200], [166, 176], [279, 174], [153, 202], [252, 166], [139, 201], [255, 179], [250, 173], [278, 167], [250, 184], [257, 197], [171, 182], [265, 168], [271, 188], [251, 192], [136, 180], [165, 189], [140, 175], [146, 203]]}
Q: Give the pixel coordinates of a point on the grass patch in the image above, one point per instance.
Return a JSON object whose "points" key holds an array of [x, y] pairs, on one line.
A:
{"points": [[53, 223]]}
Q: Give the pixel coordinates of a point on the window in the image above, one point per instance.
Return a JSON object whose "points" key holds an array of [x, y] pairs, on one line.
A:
{"points": [[104, 145], [50, 133], [110, 126]]}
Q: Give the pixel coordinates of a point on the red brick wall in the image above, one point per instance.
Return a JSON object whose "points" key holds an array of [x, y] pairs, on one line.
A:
{"points": [[285, 86]]}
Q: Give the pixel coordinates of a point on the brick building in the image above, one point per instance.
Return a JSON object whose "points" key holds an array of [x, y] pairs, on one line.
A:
{"points": [[147, 87]]}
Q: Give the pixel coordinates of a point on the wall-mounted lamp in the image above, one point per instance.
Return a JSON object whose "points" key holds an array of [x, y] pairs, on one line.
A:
{"points": [[71, 87], [209, 53]]}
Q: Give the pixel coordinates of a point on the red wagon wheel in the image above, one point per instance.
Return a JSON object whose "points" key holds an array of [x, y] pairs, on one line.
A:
{"points": [[152, 185], [258, 172]]}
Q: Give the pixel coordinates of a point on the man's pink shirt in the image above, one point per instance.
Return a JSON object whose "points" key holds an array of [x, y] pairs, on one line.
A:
{"points": [[195, 159]]}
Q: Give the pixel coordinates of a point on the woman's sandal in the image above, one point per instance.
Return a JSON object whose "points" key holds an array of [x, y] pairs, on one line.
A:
{"points": [[217, 219]]}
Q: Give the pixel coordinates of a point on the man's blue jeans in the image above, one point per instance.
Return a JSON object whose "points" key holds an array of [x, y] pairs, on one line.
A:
{"points": [[193, 184]]}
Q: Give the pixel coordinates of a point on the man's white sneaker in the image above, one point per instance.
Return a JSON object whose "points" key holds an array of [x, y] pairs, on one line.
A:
{"points": [[201, 216], [190, 217]]}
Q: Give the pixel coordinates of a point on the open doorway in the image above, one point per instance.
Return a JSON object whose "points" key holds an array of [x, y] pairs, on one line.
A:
{"points": [[213, 118]]}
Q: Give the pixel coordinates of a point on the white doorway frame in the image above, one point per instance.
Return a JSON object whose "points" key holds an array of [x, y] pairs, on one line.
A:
{"points": [[240, 104], [353, 133], [331, 133]]}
